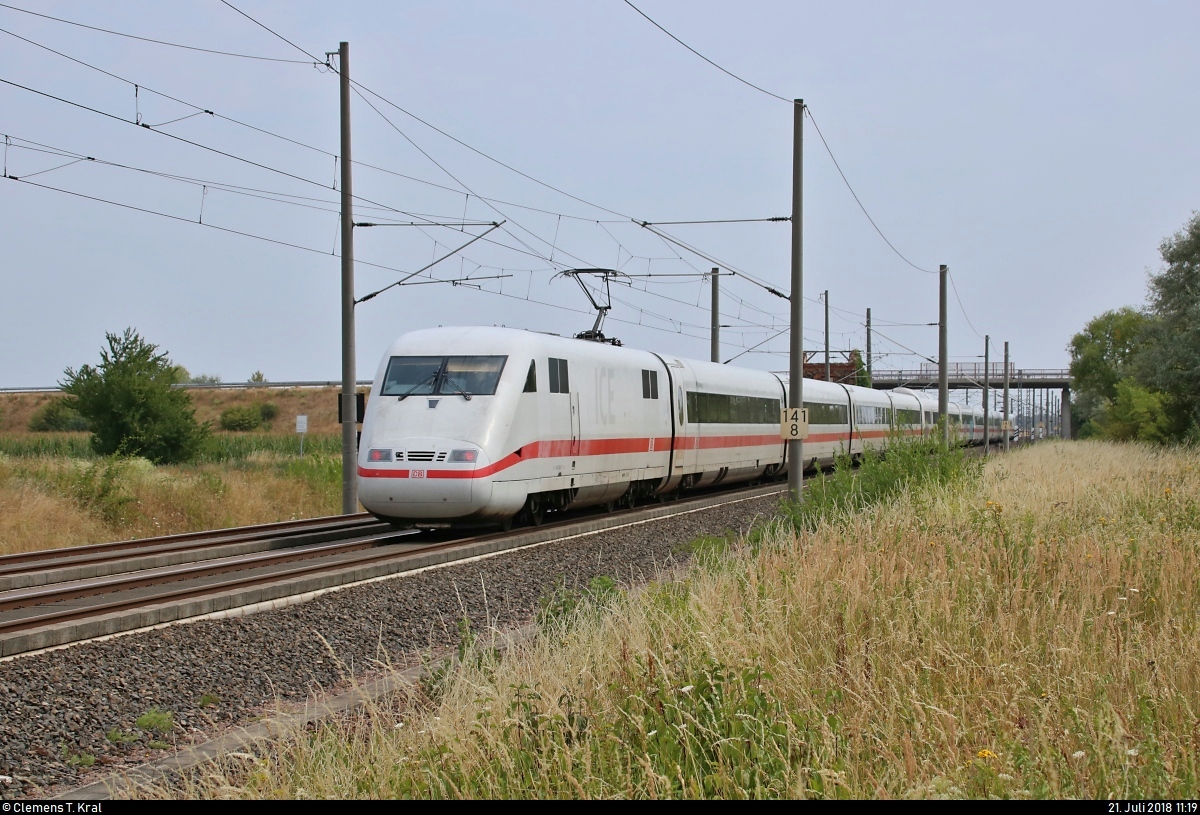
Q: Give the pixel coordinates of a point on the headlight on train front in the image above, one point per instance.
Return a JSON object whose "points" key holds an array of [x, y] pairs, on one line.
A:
{"points": [[464, 455], [379, 455]]}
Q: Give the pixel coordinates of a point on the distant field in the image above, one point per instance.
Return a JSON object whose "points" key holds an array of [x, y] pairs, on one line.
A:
{"points": [[1030, 632], [319, 404], [54, 492]]}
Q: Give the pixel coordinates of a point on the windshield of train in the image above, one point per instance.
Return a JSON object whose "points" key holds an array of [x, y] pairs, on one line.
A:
{"points": [[472, 374], [422, 376]]}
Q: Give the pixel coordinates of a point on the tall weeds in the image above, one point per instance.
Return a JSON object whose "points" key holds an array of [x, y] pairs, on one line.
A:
{"points": [[1028, 633]]}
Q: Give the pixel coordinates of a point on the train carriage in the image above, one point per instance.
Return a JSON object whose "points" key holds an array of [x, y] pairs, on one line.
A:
{"points": [[483, 425]]}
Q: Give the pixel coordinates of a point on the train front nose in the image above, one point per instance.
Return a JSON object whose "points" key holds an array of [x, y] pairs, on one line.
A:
{"points": [[423, 478]]}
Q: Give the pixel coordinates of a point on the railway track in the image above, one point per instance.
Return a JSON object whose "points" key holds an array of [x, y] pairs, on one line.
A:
{"points": [[58, 597]]}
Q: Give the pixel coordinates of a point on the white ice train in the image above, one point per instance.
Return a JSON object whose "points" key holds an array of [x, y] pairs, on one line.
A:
{"points": [[489, 425]]}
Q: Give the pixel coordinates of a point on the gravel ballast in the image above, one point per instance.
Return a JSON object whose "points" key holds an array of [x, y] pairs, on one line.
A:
{"points": [[57, 707]]}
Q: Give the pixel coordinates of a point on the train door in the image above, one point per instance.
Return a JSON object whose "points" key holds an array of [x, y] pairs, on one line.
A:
{"points": [[574, 423], [687, 427]]}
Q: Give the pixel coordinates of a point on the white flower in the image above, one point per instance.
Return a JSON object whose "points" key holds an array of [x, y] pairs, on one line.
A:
{"points": [[1132, 752], [1078, 754], [687, 688]]}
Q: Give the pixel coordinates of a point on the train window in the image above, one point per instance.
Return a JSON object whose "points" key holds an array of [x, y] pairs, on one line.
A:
{"points": [[407, 376], [649, 384], [417, 376], [474, 375], [559, 382], [871, 414], [820, 413], [930, 418], [720, 408], [531, 378], [905, 416]]}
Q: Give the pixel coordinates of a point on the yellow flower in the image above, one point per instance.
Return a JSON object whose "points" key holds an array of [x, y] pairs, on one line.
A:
{"points": [[985, 754], [1167, 491]]}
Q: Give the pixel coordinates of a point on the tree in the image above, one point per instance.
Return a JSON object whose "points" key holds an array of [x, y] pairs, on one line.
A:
{"points": [[129, 401], [1140, 414], [1171, 360], [1102, 354]]}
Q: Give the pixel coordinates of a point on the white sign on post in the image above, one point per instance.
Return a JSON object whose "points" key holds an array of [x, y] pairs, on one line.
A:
{"points": [[302, 428], [793, 424]]}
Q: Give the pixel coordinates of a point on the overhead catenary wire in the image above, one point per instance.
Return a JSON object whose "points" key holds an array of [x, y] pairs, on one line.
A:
{"points": [[706, 59], [364, 89], [858, 200], [301, 247], [270, 31], [808, 112], [961, 308], [151, 40], [532, 252]]}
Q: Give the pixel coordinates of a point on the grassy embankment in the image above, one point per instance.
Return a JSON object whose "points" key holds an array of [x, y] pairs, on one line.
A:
{"points": [[1027, 632], [55, 492]]}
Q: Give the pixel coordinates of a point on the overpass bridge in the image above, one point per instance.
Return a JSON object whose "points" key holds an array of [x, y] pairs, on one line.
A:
{"points": [[971, 376], [1039, 398]]}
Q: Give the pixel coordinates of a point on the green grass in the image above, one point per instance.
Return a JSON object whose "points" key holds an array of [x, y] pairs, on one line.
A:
{"points": [[908, 463], [219, 448], [240, 446], [156, 721], [28, 445]]}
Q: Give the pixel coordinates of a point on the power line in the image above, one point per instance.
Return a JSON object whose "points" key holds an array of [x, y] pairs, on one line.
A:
{"points": [[726, 221], [857, 200], [954, 288], [706, 59], [148, 39], [810, 116], [275, 33], [359, 87], [195, 144]]}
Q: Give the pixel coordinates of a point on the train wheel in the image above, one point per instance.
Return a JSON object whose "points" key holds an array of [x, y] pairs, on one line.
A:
{"points": [[535, 510], [507, 524]]}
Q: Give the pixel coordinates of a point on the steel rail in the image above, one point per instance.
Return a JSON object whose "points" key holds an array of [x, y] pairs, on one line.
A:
{"points": [[91, 553], [374, 556], [24, 598]]}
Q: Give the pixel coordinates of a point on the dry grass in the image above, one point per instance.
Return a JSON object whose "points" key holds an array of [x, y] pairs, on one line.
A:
{"points": [[1028, 634], [48, 502]]}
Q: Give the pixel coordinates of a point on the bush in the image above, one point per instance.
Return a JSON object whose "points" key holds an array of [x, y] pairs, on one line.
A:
{"points": [[245, 417], [132, 408], [58, 416], [268, 411]]}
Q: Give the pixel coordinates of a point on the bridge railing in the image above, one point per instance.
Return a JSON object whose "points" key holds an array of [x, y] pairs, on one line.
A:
{"points": [[974, 372]]}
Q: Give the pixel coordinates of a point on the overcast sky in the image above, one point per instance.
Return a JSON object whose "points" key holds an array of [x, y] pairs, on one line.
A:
{"points": [[1041, 150]]}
